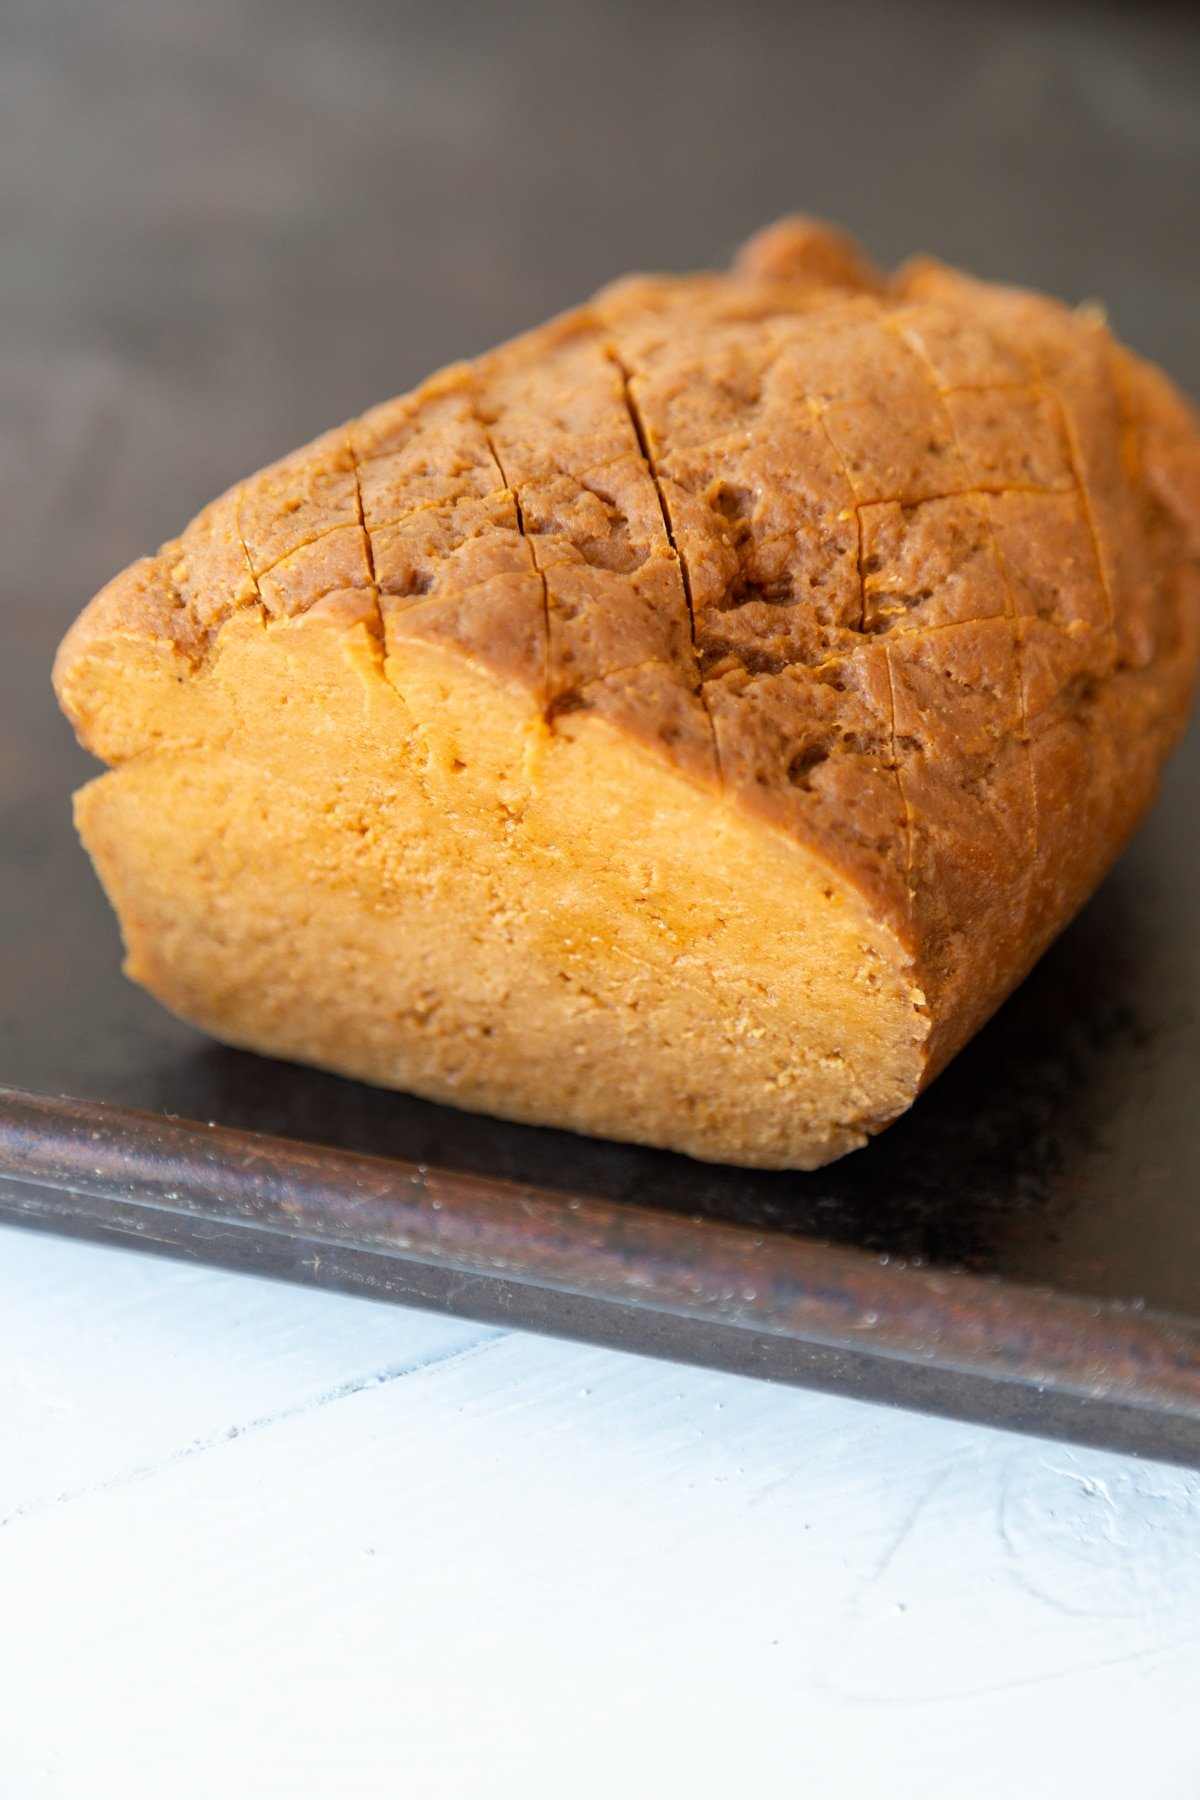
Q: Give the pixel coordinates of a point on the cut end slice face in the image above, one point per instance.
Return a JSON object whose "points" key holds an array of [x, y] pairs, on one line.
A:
{"points": [[381, 860]]}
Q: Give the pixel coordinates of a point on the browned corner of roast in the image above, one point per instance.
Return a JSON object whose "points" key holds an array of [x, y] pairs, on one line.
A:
{"points": [[137, 621]]}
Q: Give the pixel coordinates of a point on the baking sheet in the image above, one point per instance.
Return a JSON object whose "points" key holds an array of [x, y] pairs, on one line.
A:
{"points": [[761, 1302], [171, 324]]}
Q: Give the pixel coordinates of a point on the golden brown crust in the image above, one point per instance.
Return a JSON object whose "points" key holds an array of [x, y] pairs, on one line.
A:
{"points": [[908, 570]]}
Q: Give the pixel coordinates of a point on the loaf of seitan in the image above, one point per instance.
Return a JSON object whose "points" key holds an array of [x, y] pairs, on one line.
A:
{"points": [[684, 724]]}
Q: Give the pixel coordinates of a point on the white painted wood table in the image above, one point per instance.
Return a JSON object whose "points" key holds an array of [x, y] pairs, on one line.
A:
{"points": [[256, 1540]]}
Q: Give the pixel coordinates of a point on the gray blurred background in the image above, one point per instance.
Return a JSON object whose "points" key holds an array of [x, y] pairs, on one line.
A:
{"points": [[227, 226]]}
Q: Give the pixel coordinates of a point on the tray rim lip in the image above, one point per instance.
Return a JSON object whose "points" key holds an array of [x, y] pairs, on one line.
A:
{"points": [[729, 1276]]}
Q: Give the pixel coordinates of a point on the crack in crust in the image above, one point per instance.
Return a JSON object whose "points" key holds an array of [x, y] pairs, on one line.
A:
{"points": [[368, 545], [919, 356], [893, 750], [818, 414], [639, 430], [545, 696], [1019, 664], [910, 896], [307, 543], [254, 573], [1085, 498]]}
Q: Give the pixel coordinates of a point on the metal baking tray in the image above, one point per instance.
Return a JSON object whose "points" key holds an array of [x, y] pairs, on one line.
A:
{"points": [[1022, 1249]]}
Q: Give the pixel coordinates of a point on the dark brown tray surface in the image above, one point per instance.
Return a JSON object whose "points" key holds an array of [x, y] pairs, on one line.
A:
{"points": [[166, 332]]}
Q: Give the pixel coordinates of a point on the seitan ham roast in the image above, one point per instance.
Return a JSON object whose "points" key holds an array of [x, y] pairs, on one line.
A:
{"points": [[684, 724]]}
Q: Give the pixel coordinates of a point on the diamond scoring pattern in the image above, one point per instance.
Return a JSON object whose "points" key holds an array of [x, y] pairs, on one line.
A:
{"points": [[846, 554]]}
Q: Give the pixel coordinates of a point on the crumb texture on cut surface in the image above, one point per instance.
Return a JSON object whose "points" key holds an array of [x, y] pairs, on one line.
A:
{"points": [[686, 722]]}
